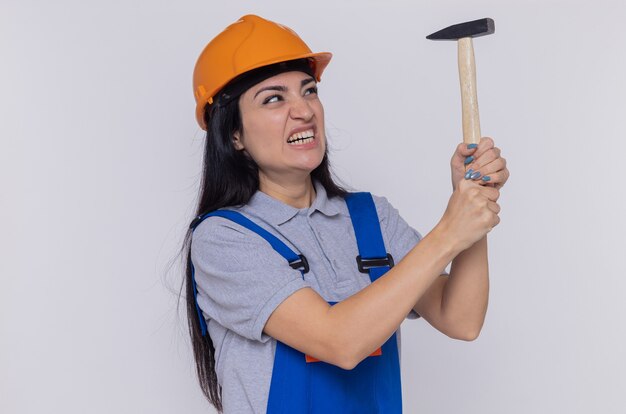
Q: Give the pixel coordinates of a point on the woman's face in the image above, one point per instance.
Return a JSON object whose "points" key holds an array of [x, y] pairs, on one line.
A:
{"points": [[283, 126]]}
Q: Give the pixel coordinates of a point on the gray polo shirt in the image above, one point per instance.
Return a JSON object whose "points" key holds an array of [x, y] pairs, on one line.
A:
{"points": [[241, 279]]}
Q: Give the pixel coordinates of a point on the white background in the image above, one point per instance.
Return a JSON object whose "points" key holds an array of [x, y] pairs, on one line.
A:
{"points": [[100, 163]]}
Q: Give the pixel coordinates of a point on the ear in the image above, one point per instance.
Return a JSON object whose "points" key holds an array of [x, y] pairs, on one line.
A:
{"points": [[237, 141]]}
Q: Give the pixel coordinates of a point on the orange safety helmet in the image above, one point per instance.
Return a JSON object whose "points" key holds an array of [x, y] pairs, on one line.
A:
{"points": [[249, 43]]}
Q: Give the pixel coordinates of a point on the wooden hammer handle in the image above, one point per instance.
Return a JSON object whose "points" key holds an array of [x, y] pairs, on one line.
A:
{"points": [[469, 98]]}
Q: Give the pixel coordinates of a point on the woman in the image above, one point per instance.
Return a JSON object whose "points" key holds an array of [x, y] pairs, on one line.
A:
{"points": [[294, 301]]}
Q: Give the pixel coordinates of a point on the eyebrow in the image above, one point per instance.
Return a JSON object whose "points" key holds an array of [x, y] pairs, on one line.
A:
{"points": [[282, 88]]}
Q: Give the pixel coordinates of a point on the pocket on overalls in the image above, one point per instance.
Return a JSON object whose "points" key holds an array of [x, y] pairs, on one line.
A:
{"points": [[336, 390]]}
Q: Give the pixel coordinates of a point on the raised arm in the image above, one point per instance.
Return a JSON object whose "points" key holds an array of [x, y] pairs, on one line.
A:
{"points": [[349, 331], [456, 304]]}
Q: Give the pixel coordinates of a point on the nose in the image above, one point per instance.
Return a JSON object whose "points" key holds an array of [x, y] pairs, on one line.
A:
{"points": [[301, 109]]}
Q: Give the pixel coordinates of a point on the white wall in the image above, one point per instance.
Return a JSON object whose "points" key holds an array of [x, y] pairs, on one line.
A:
{"points": [[100, 160]]}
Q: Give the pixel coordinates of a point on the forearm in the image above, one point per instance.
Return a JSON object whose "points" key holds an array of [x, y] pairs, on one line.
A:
{"points": [[466, 293], [368, 318], [349, 331]]}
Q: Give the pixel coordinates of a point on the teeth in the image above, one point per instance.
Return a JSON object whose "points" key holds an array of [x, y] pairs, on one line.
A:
{"points": [[301, 137], [301, 141]]}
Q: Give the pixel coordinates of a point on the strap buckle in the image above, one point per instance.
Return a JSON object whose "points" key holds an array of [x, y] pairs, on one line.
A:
{"points": [[366, 264], [196, 221], [300, 263]]}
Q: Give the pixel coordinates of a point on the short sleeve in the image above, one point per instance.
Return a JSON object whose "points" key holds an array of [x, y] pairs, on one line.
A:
{"points": [[399, 237], [241, 279]]}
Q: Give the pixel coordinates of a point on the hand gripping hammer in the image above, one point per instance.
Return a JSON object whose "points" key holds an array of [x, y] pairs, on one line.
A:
{"points": [[464, 32]]}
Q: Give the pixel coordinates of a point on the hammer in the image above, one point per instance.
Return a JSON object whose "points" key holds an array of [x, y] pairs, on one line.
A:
{"points": [[464, 32]]}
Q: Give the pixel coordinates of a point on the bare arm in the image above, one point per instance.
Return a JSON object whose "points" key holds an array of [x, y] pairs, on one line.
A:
{"points": [[348, 332], [456, 305]]}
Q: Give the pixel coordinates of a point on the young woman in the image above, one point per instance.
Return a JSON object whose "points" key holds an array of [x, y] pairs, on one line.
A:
{"points": [[296, 289]]}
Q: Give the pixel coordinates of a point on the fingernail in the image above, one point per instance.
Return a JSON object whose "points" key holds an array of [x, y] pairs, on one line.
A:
{"points": [[469, 159], [486, 178], [471, 146], [468, 174], [475, 175]]}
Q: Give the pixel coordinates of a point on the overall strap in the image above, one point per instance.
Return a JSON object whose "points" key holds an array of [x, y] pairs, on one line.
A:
{"points": [[374, 385], [296, 261], [373, 257]]}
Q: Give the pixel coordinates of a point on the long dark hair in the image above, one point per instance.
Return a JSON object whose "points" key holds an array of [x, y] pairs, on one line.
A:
{"points": [[229, 178]]}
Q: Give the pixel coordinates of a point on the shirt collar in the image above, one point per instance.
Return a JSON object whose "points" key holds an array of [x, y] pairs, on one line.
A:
{"points": [[276, 212], [323, 204]]}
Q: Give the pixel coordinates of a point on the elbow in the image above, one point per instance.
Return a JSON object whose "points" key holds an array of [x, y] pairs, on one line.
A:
{"points": [[346, 349], [347, 356], [463, 329], [346, 359], [335, 355], [468, 335], [348, 363]]}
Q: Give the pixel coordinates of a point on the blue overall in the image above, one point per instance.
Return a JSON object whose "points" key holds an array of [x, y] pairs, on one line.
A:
{"points": [[299, 386]]}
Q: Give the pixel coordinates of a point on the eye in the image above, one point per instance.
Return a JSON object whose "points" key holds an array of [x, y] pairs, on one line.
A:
{"points": [[272, 99], [311, 90]]}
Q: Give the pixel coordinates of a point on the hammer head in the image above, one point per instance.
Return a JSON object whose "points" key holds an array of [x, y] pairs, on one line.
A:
{"points": [[475, 28]]}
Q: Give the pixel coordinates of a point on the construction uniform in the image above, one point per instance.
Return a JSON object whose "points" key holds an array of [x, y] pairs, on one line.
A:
{"points": [[241, 276]]}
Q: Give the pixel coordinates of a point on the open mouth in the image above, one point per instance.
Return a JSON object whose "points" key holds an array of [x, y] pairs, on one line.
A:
{"points": [[300, 138]]}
